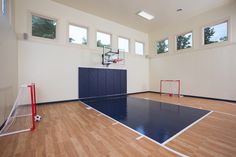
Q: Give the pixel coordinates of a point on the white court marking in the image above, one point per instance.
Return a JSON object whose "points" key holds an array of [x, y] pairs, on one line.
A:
{"points": [[115, 123], [186, 128], [161, 145], [140, 137], [225, 113], [88, 108]]}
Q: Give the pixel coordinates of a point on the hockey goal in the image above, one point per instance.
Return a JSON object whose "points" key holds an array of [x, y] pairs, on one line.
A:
{"points": [[170, 87], [22, 115]]}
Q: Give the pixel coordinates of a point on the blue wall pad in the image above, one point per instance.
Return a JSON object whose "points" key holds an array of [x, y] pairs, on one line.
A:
{"points": [[97, 82]]}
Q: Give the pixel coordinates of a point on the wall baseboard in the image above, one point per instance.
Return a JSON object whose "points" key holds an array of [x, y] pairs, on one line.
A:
{"points": [[79, 99], [201, 97], [138, 93], [57, 102], [209, 98]]}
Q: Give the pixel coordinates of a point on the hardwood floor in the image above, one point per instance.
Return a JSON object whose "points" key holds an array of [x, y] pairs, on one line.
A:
{"points": [[219, 106], [69, 129], [215, 135]]}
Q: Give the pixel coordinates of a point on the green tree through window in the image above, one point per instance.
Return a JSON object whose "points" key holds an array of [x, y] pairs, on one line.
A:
{"points": [[42, 27], [162, 46], [78, 34], [103, 39], [184, 41], [208, 33], [216, 33], [100, 44], [84, 41]]}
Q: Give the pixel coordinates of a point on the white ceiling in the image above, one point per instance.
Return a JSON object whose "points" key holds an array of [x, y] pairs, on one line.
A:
{"points": [[124, 11]]}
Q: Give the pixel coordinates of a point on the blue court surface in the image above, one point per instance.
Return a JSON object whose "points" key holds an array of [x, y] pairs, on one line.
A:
{"points": [[159, 121]]}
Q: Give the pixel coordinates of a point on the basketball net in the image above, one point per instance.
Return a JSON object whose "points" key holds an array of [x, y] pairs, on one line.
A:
{"points": [[117, 60]]}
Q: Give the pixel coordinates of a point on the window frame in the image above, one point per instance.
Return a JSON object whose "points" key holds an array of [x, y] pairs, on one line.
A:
{"points": [[227, 20], [143, 48], [31, 14], [3, 7], [167, 38], [103, 33], [125, 39], [81, 26], [6, 10], [181, 34]]}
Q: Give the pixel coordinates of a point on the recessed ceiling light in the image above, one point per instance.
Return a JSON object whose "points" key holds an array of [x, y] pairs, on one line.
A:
{"points": [[145, 15], [178, 10]]}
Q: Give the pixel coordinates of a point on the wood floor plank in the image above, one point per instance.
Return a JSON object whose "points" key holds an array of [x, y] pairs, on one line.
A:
{"points": [[69, 130], [220, 106], [215, 135]]}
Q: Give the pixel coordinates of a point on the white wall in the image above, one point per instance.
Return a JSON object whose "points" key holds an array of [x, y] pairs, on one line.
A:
{"points": [[208, 71], [8, 68], [53, 65]]}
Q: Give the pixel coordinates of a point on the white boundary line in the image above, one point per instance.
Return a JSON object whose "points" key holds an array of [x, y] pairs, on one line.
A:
{"points": [[88, 108], [185, 105], [115, 123], [225, 113], [161, 145], [186, 128], [138, 138], [15, 132], [23, 115]]}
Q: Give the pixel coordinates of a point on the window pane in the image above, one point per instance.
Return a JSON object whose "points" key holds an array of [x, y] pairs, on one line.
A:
{"points": [[77, 35], [139, 48], [103, 39], [162, 46], [185, 41], [42, 27], [123, 44], [216, 33]]}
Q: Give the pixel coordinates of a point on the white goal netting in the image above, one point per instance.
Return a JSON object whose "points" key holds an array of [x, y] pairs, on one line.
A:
{"points": [[170, 87], [21, 117]]}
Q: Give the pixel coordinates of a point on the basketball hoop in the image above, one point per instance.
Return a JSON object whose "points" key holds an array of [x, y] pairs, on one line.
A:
{"points": [[112, 57], [117, 60]]}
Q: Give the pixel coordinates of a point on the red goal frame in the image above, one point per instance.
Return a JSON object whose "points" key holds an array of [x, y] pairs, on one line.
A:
{"points": [[33, 103], [28, 93], [170, 94]]}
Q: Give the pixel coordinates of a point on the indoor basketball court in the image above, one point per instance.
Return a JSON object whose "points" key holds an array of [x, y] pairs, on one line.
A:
{"points": [[117, 78]]}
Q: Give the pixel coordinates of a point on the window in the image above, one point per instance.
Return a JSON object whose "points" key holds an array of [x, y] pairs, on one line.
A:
{"points": [[103, 39], [184, 41], [216, 33], [162, 46], [3, 7], [78, 35], [139, 48], [123, 44], [43, 27]]}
